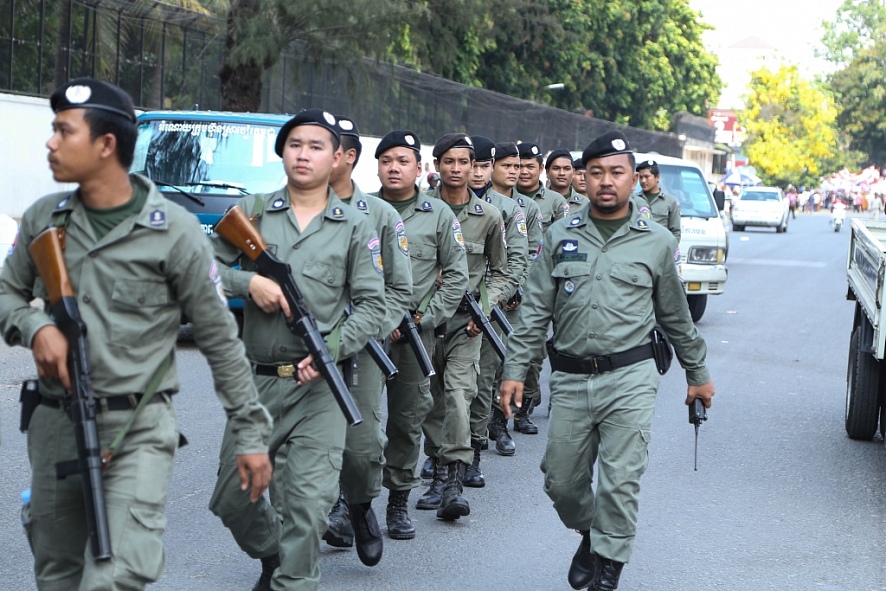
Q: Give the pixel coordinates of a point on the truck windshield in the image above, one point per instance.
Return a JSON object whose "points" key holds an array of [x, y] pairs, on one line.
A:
{"points": [[690, 189], [211, 158]]}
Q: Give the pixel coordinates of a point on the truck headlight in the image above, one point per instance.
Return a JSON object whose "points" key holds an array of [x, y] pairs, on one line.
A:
{"points": [[705, 255]]}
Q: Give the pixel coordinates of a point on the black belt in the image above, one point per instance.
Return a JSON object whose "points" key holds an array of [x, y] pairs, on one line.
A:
{"points": [[126, 402], [284, 370], [599, 364]]}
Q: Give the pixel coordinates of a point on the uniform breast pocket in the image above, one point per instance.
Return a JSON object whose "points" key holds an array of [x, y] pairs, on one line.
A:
{"points": [[474, 247], [571, 277], [422, 252], [632, 285], [323, 287], [136, 305]]}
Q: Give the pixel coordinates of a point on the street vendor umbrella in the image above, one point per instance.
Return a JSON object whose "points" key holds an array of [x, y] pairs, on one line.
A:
{"points": [[741, 178]]}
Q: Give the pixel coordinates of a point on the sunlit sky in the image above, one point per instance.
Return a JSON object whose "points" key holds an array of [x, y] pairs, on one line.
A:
{"points": [[791, 27]]}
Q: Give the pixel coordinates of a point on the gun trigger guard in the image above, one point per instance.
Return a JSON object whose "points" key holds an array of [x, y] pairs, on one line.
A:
{"points": [[106, 460]]}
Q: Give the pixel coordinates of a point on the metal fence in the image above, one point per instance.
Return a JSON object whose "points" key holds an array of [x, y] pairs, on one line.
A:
{"points": [[169, 57]]}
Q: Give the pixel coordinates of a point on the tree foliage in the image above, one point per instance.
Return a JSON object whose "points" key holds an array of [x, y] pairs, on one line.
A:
{"points": [[856, 26], [791, 127], [861, 92]]}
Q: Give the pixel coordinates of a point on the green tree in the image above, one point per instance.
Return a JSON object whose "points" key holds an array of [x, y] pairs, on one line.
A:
{"points": [[791, 127], [857, 25], [861, 93]]}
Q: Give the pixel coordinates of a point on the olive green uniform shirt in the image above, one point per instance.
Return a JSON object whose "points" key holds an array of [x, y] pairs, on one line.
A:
{"points": [[534, 227], [394, 252], [133, 286], [665, 210], [552, 205], [516, 237], [605, 297], [575, 199], [335, 260], [436, 246]]}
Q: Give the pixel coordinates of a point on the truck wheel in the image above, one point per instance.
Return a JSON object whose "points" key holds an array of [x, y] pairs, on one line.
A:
{"points": [[862, 391], [697, 305]]}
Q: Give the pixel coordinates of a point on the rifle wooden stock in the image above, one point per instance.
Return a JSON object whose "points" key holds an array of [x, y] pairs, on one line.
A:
{"points": [[47, 252], [238, 230]]}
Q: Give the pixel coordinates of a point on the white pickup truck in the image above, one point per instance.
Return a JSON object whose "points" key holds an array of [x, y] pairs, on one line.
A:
{"points": [[866, 267]]}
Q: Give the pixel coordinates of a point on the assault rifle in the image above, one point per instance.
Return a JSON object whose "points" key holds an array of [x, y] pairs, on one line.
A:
{"points": [[483, 324], [47, 252], [409, 331]]}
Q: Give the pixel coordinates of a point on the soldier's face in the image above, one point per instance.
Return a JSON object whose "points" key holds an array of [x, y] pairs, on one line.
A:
{"points": [[530, 170], [506, 171], [610, 182], [481, 172], [560, 174], [648, 181], [398, 169], [309, 156], [73, 155], [454, 167], [578, 181]]}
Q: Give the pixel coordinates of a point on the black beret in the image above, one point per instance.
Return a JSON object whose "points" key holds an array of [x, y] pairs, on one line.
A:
{"points": [[560, 153], [529, 150], [347, 127], [87, 93], [608, 144], [577, 163], [450, 141], [484, 148], [506, 150], [400, 138], [646, 164], [307, 117]]}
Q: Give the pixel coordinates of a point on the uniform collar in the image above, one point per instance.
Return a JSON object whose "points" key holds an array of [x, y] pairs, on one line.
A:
{"points": [[359, 199], [154, 214], [476, 206]]}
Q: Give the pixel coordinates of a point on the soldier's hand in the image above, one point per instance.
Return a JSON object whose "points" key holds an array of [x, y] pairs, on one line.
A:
{"points": [[705, 392], [512, 305], [255, 468], [510, 389], [268, 296], [395, 335], [307, 373], [50, 349], [472, 329]]}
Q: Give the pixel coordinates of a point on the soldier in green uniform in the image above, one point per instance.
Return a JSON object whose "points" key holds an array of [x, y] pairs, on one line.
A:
{"points": [[605, 276], [560, 173], [352, 516], [553, 206], [664, 208], [457, 357], [504, 173], [578, 178], [436, 248], [336, 260], [137, 262]]}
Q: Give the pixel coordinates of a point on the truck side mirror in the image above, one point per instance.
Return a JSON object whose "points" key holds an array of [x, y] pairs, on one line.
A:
{"points": [[720, 199]]}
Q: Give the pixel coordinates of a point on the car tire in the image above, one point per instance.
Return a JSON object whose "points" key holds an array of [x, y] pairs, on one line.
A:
{"points": [[862, 391], [697, 305]]}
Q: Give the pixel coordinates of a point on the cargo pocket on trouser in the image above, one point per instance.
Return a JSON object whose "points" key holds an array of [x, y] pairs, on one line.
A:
{"points": [[640, 456], [139, 555]]}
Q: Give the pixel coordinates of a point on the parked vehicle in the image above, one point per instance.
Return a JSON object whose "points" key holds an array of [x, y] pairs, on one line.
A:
{"points": [[761, 206]]}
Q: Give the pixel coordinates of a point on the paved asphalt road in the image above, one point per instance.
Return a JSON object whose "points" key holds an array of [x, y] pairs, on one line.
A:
{"points": [[782, 499]]}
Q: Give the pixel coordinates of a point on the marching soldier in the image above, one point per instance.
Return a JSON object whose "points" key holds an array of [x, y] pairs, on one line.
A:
{"points": [[136, 263], [561, 173], [603, 259], [664, 208], [436, 247], [336, 260], [352, 516], [447, 429]]}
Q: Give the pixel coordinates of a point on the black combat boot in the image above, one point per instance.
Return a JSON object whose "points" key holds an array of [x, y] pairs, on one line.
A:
{"points": [[432, 497], [268, 565], [366, 533], [498, 432], [427, 469], [522, 424], [340, 532], [473, 476], [452, 504], [584, 564], [399, 525], [608, 572]]}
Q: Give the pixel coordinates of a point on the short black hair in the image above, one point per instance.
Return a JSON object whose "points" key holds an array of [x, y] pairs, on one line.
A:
{"points": [[102, 122], [350, 142]]}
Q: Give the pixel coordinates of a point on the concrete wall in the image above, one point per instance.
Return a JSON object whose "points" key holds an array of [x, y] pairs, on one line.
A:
{"points": [[25, 125]]}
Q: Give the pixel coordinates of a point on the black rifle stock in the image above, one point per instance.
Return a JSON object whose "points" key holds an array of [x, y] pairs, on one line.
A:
{"points": [[409, 331], [236, 228], [47, 252], [502, 320], [483, 324], [378, 355]]}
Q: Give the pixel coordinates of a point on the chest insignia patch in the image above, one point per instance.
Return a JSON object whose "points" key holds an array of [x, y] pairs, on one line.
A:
{"points": [[478, 208], [426, 206], [456, 233], [374, 247], [569, 245], [337, 213], [575, 221], [402, 242], [361, 205], [278, 203], [157, 218], [568, 286]]}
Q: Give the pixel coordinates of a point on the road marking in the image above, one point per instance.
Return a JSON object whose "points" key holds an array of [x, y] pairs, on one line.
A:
{"points": [[777, 262]]}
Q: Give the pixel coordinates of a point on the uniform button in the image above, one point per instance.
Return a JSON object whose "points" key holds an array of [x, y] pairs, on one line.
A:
{"points": [[86, 299], [634, 279], [141, 299], [419, 255], [92, 255], [593, 335], [329, 280], [470, 249], [594, 306], [297, 244], [604, 249], [599, 276], [283, 348]]}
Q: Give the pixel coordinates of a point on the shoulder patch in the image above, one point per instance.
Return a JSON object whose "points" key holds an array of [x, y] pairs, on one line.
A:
{"points": [[644, 211], [520, 220], [426, 206], [402, 242], [456, 233], [361, 205], [504, 239], [374, 247], [216, 280], [679, 266]]}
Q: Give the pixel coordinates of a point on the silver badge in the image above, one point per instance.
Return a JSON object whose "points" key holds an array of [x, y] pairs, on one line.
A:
{"points": [[618, 144], [410, 140], [277, 204], [575, 221], [78, 94], [329, 118], [346, 124]]}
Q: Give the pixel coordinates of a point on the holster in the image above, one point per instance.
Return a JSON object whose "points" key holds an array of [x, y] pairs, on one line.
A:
{"points": [[30, 399], [662, 351]]}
